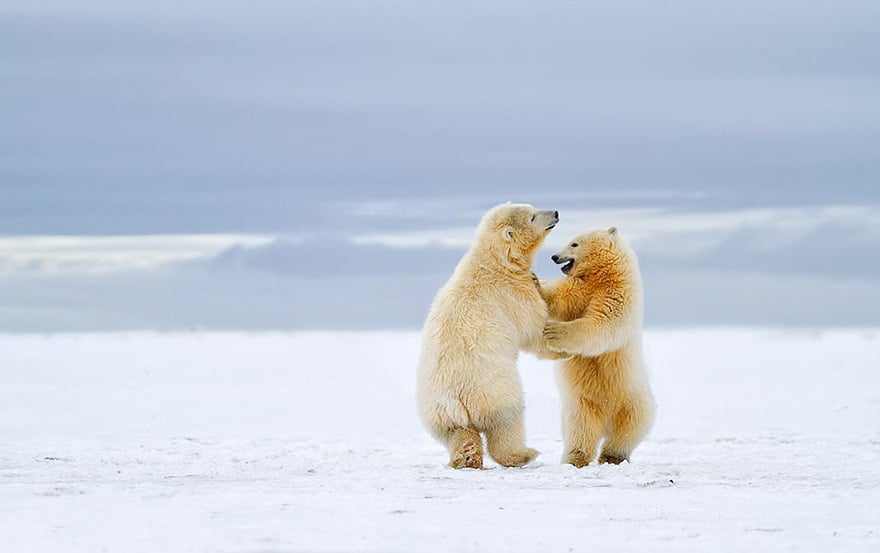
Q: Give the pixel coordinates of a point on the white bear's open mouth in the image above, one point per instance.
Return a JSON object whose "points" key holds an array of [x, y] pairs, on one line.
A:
{"points": [[550, 227]]}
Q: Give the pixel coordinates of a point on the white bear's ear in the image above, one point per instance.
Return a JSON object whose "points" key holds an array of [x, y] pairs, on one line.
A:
{"points": [[507, 233]]}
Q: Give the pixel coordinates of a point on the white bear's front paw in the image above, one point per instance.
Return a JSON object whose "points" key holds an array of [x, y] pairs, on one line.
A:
{"points": [[558, 337], [536, 281]]}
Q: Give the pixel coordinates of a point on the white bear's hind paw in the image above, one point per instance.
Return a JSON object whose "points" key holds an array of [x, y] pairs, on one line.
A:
{"points": [[518, 458]]}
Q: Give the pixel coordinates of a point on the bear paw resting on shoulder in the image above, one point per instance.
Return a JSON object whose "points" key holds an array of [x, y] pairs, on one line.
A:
{"points": [[489, 309], [597, 309]]}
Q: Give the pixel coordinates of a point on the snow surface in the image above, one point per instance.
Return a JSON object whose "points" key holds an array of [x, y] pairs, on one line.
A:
{"points": [[767, 440]]}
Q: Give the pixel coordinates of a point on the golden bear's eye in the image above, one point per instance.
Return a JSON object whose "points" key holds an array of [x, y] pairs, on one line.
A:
{"points": [[574, 245]]}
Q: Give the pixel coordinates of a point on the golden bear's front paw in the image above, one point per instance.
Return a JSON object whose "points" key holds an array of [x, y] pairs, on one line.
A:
{"points": [[559, 338], [536, 280]]}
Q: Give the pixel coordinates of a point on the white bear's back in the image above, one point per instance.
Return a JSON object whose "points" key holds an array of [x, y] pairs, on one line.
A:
{"points": [[470, 344]]}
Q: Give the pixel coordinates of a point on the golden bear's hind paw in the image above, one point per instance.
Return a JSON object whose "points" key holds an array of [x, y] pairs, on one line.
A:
{"points": [[577, 458], [612, 458]]}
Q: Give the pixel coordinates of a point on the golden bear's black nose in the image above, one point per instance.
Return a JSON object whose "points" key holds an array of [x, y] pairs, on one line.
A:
{"points": [[555, 258]]}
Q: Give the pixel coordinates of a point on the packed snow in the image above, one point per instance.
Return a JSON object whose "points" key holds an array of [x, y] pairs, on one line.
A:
{"points": [[766, 440]]}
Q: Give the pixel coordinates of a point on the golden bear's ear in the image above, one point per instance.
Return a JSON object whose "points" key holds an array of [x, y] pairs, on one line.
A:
{"points": [[612, 231], [507, 234]]}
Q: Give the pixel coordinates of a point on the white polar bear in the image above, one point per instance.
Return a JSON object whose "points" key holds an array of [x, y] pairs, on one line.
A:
{"points": [[489, 309]]}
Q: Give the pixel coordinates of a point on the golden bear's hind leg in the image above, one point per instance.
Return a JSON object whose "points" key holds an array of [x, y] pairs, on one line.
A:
{"points": [[628, 429], [583, 430]]}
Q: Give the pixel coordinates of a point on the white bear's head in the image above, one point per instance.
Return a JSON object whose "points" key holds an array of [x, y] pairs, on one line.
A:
{"points": [[594, 250], [514, 232]]}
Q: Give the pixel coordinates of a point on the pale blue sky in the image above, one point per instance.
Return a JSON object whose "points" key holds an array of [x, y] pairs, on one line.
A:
{"points": [[332, 157]]}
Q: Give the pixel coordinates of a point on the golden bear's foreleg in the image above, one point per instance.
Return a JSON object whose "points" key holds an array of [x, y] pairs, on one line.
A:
{"points": [[589, 336], [540, 349]]}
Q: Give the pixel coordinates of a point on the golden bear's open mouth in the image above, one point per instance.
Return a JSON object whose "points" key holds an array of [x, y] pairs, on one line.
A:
{"points": [[566, 262]]}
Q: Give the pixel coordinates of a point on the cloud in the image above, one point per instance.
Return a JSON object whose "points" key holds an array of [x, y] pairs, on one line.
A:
{"points": [[709, 297], [797, 266], [134, 119], [346, 165], [831, 251], [193, 297], [332, 256], [38, 255], [758, 239]]}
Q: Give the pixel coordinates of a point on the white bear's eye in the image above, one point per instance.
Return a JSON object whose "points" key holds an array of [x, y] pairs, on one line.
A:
{"points": [[533, 218]]}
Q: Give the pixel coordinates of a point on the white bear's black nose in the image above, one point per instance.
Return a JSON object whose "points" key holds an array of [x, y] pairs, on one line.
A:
{"points": [[555, 258], [556, 214]]}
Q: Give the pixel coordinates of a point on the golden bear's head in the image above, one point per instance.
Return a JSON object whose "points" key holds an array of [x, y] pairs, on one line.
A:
{"points": [[591, 251], [514, 232]]}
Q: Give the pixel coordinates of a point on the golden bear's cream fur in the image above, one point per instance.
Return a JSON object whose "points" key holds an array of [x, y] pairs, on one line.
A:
{"points": [[604, 389], [488, 310]]}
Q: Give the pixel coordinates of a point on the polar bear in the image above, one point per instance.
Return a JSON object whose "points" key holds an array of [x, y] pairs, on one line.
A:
{"points": [[604, 389], [489, 309]]}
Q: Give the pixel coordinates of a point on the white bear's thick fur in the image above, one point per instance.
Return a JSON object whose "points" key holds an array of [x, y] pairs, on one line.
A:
{"points": [[489, 309], [604, 389]]}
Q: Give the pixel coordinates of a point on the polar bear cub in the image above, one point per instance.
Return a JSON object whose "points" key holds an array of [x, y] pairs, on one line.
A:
{"points": [[489, 309], [604, 389]]}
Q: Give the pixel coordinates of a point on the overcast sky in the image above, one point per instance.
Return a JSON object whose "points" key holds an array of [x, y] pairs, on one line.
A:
{"points": [[323, 165]]}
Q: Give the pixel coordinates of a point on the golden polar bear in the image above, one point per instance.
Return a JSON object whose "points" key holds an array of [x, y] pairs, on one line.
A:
{"points": [[604, 389], [489, 309]]}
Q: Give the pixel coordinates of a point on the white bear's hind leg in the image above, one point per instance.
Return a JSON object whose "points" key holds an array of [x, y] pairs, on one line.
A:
{"points": [[505, 438], [465, 448]]}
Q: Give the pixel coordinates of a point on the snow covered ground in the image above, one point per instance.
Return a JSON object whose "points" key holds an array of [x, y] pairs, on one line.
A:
{"points": [[766, 440]]}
